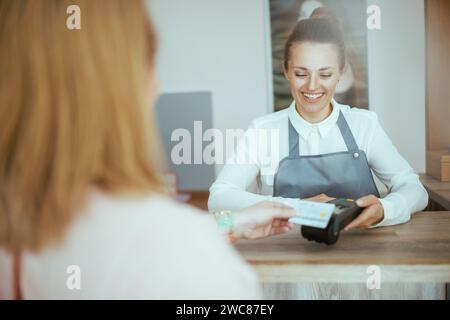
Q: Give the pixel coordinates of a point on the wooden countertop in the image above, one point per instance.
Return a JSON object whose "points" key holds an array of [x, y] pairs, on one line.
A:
{"points": [[198, 198], [418, 251], [438, 191]]}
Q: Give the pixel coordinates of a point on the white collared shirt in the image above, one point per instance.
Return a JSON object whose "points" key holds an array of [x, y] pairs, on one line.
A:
{"points": [[248, 176]]}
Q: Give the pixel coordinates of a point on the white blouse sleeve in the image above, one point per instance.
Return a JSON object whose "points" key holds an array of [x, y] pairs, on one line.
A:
{"points": [[230, 190], [406, 193]]}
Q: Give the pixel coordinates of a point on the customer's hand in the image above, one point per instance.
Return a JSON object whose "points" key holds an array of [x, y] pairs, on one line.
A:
{"points": [[372, 214], [262, 220], [319, 198]]}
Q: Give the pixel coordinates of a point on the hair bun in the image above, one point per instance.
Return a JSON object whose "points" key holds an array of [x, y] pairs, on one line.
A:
{"points": [[321, 27], [325, 13]]}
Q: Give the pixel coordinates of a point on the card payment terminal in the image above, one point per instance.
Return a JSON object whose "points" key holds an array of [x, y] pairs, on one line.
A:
{"points": [[345, 211]]}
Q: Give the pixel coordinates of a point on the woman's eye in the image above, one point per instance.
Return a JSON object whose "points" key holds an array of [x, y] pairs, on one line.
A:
{"points": [[301, 75], [326, 75]]}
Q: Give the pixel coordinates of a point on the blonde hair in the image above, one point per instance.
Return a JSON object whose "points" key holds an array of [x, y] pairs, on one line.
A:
{"points": [[74, 112]]}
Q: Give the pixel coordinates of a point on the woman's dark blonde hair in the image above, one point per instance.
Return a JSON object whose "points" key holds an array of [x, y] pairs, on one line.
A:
{"points": [[74, 112], [321, 27]]}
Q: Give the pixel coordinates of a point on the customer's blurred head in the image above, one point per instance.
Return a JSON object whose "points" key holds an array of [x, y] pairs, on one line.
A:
{"points": [[74, 112]]}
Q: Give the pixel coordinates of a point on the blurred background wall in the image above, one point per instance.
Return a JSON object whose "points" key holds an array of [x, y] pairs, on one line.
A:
{"points": [[397, 76]]}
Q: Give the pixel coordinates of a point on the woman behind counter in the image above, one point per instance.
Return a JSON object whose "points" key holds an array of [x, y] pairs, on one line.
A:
{"points": [[325, 150]]}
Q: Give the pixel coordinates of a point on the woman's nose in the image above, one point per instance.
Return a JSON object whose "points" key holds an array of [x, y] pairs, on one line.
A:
{"points": [[312, 83]]}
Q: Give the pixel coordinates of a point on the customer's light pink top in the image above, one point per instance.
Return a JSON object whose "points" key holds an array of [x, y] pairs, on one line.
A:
{"points": [[134, 248]]}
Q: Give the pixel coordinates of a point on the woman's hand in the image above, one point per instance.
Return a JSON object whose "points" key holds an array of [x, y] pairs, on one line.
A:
{"points": [[320, 198], [262, 220], [372, 214]]}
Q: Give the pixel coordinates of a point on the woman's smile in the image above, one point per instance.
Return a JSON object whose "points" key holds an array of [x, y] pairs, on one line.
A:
{"points": [[313, 97]]}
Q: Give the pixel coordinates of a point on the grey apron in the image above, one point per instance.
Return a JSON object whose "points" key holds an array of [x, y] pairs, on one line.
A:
{"points": [[340, 175]]}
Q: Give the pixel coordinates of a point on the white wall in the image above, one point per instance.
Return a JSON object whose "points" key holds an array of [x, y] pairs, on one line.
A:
{"points": [[217, 46], [397, 76]]}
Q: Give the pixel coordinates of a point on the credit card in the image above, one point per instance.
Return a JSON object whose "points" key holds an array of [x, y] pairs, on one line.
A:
{"points": [[313, 214]]}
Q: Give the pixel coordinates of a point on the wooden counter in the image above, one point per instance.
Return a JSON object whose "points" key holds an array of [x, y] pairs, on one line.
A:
{"points": [[438, 191], [414, 262]]}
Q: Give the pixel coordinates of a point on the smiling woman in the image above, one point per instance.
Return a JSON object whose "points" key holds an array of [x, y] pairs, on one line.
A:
{"points": [[314, 61], [328, 150], [313, 74]]}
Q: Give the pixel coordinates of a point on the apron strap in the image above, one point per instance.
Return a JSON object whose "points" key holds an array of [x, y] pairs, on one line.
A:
{"points": [[16, 275], [347, 135], [294, 147]]}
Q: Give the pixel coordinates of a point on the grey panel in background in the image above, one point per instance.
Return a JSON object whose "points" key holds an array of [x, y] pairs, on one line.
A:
{"points": [[180, 110]]}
